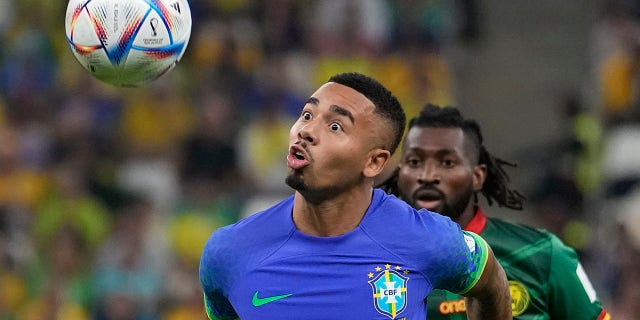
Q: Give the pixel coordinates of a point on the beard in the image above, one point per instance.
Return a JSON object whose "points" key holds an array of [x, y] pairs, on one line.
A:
{"points": [[313, 193], [454, 207], [295, 182]]}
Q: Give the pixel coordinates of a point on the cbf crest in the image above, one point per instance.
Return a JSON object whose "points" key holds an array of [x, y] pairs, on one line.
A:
{"points": [[389, 286]]}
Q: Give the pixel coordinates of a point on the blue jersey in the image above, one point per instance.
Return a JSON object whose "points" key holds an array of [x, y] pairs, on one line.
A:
{"points": [[262, 267]]}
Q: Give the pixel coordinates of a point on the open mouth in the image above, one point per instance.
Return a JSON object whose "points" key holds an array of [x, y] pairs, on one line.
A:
{"points": [[298, 152], [428, 198], [430, 194], [297, 157]]}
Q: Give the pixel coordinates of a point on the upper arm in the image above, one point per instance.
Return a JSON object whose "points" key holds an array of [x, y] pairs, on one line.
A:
{"points": [[480, 254], [491, 278], [489, 295], [214, 280]]}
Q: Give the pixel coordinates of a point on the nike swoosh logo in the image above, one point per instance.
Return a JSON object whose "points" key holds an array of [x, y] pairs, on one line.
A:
{"points": [[261, 301]]}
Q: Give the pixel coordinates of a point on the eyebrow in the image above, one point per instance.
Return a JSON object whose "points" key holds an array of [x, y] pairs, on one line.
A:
{"points": [[334, 108], [343, 112], [437, 153]]}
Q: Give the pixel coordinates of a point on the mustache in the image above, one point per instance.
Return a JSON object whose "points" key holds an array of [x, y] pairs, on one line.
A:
{"points": [[303, 144], [428, 189]]}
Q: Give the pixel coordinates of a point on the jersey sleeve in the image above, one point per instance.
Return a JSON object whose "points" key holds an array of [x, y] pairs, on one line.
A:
{"points": [[460, 268], [218, 307], [213, 279], [571, 292], [479, 250]]}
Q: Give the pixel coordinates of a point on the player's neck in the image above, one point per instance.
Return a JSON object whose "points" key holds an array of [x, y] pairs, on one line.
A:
{"points": [[331, 217], [467, 215]]}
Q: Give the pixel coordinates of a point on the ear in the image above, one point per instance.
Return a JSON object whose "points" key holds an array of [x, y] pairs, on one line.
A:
{"points": [[479, 175], [377, 160]]}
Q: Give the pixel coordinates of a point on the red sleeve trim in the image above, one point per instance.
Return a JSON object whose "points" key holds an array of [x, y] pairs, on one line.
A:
{"points": [[604, 315], [477, 223]]}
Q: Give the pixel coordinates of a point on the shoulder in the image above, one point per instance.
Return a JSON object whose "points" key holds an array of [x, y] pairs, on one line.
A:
{"points": [[514, 243], [390, 215], [388, 208], [516, 232], [235, 247], [420, 236], [524, 234]]}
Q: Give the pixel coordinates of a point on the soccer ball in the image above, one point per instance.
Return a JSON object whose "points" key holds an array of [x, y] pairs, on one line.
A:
{"points": [[128, 42]]}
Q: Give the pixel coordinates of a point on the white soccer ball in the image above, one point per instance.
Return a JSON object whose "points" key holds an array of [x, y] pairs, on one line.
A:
{"points": [[128, 42]]}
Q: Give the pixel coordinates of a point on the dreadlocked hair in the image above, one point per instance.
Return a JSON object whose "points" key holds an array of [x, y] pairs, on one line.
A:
{"points": [[496, 185]]}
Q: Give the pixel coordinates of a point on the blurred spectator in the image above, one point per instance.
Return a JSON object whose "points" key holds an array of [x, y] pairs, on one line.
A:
{"points": [[68, 201], [264, 141], [60, 284], [615, 57], [432, 24], [188, 231], [358, 27], [283, 26], [130, 266], [583, 143], [88, 116], [155, 119], [470, 18], [416, 75], [7, 15], [348, 35], [213, 186], [28, 69], [13, 293], [184, 301], [209, 153], [568, 174], [627, 249], [224, 56], [22, 185], [617, 224], [559, 208], [621, 161]]}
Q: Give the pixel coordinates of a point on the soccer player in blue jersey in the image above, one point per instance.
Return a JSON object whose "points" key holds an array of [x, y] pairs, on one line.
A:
{"points": [[338, 248]]}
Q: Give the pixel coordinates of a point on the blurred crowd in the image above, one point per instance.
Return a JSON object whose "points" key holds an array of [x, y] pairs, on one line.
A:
{"points": [[108, 194]]}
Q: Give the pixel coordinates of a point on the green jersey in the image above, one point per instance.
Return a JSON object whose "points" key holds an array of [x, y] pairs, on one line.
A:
{"points": [[545, 276]]}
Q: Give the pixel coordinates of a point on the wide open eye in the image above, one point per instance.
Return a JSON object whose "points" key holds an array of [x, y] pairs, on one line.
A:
{"points": [[306, 115], [335, 126]]}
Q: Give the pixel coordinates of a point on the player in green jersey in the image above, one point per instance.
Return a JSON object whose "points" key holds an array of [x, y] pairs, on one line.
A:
{"points": [[442, 168]]}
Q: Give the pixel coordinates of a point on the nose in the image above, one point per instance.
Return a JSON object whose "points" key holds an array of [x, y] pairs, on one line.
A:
{"points": [[306, 133], [429, 175]]}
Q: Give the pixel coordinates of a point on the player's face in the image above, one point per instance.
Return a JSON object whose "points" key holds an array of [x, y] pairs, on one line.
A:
{"points": [[436, 172], [332, 140]]}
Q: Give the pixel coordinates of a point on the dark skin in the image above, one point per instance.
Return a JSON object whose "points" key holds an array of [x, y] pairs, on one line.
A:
{"points": [[439, 171], [335, 153]]}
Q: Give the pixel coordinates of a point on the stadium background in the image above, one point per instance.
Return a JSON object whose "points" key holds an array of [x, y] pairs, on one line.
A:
{"points": [[108, 194]]}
